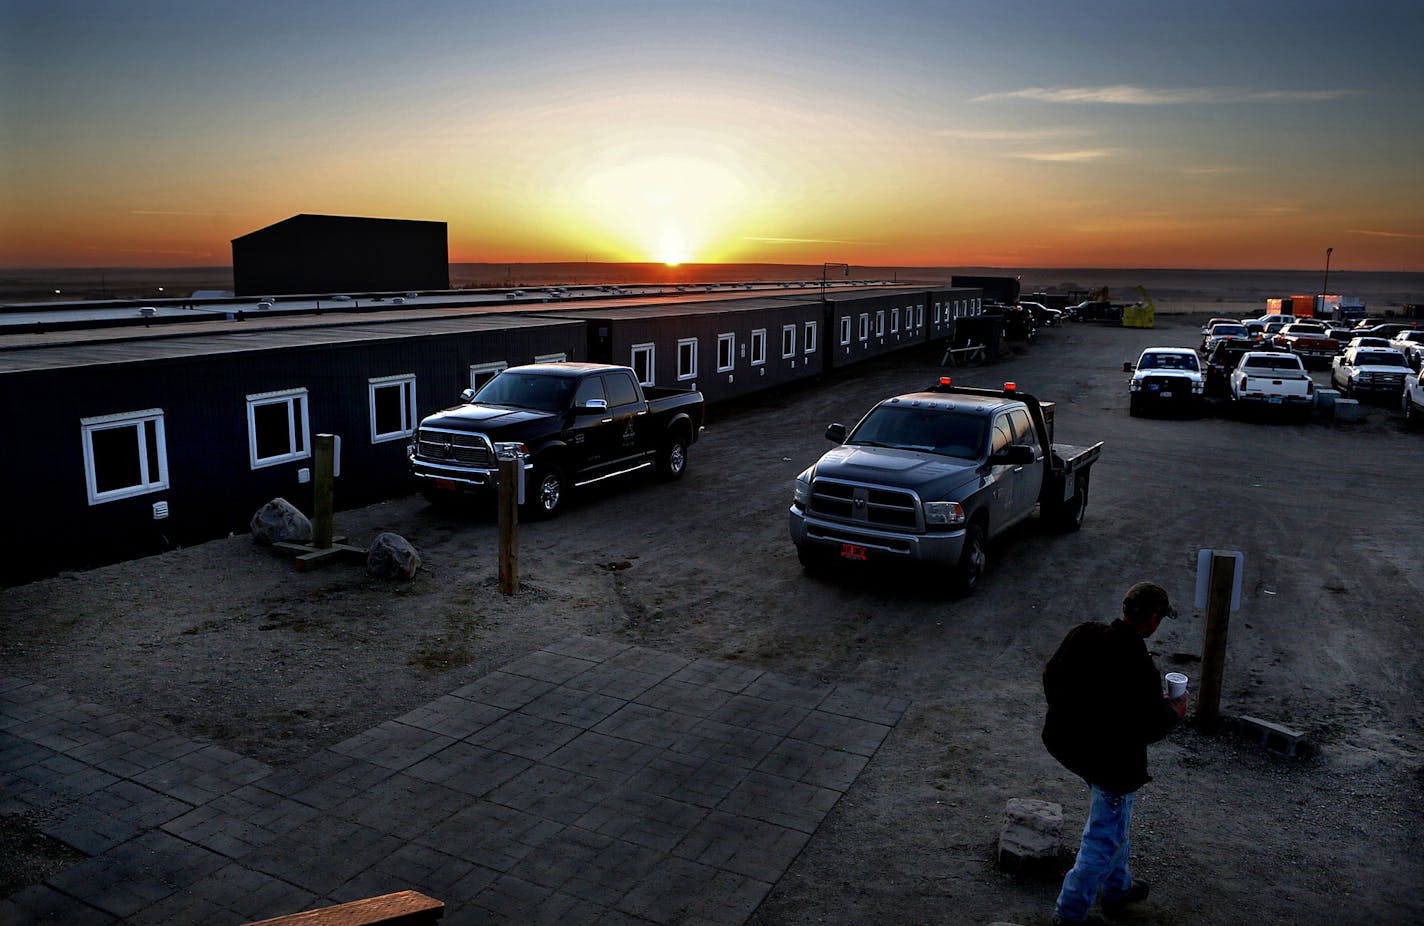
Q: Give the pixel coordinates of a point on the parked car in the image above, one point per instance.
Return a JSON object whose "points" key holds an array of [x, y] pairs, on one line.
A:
{"points": [[1206, 329], [1369, 371], [1310, 341], [1267, 379], [1385, 329], [1166, 377], [1222, 331], [1220, 364], [1412, 400], [1411, 344], [928, 478], [1381, 343], [1042, 314], [1258, 325], [580, 422]]}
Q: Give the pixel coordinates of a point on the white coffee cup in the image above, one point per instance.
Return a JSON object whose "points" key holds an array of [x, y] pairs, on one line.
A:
{"points": [[1176, 684]]}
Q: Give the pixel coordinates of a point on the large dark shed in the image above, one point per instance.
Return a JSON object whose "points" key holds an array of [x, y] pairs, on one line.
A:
{"points": [[341, 254]]}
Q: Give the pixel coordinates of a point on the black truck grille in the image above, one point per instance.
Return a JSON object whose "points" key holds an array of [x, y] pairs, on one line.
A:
{"points": [[863, 504], [453, 447]]}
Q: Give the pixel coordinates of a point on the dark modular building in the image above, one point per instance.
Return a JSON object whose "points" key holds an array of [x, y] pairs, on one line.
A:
{"points": [[341, 254], [138, 444], [1003, 290], [869, 324], [724, 349]]}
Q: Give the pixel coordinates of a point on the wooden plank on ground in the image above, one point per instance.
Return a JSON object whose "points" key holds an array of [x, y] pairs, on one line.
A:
{"points": [[403, 908]]}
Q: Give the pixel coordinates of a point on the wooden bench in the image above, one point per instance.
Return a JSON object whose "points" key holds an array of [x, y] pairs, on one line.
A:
{"points": [[403, 908], [969, 353]]}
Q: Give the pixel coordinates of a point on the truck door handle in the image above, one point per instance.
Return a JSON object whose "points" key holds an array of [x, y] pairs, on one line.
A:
{"points": [[1018, 469], [605, 421]]}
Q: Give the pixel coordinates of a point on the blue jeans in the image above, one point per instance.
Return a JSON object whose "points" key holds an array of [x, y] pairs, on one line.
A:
{"points": [[1102, 856]]}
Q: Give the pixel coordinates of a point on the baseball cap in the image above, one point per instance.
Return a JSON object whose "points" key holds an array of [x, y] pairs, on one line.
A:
{"points": [[1145, 599]]}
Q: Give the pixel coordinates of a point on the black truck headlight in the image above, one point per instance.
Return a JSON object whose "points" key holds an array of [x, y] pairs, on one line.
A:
{"points": [[802, 491], [944, 513]]}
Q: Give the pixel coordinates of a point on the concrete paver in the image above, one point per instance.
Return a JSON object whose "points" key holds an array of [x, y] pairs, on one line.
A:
{"points": [[588, 782]]}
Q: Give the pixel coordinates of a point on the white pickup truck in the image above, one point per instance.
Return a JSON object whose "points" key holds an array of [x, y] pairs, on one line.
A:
{"points": [[1412, 401], [1362, 370], [1272, 379]]}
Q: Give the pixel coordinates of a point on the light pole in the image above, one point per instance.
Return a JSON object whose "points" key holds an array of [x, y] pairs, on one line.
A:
{"points": [[826, 266], [1325, 287]]}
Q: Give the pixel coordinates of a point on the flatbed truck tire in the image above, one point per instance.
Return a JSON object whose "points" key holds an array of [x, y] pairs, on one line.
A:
{"points": [[973, 560]]}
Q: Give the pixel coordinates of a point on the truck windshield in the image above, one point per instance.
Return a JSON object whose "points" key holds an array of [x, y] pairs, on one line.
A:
{"points": [[932, 430], [1381, 359], [1168, 362], [1282, 362], [527, 390]]}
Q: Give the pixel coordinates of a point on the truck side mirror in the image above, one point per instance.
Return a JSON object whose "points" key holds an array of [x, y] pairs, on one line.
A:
{"points": [[836, 433], [1013, 455], [467, 396]]}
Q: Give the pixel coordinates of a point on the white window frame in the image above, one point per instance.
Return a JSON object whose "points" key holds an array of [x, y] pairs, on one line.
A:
{"points": [[845, 330], [919, 316], [148, 481], [865, 326], [730, 340], [560, 357], [479, 369], [788, 341], [758, 347], [937, 313], [689, 372], [651, 351], [880, 323], [895, 320], [808, 338], [275, 398], [406, 383]]}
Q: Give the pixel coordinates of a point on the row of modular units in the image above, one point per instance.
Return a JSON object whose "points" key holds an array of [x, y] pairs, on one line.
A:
{"points": [[137, 442], [732, 348], [136, 445]]}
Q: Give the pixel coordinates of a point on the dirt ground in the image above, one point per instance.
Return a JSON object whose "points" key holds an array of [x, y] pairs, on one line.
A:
{"points": [[224, 641]]}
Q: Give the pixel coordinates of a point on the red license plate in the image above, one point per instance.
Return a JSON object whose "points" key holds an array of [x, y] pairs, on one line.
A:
{"points": [[446, 484], [852, 551]]}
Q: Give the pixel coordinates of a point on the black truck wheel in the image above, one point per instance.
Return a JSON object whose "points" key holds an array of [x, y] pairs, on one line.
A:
{"points": [[973, 559], [672, 458], [546, 494], [1068, 516]]}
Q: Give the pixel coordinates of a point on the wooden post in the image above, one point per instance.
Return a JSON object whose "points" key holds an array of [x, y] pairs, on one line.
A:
{"points": [[323, 466], [1218, 617], [509, 466]]}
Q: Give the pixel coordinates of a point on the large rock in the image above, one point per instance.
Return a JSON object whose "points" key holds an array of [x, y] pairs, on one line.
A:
{"points": [[392, 557], [279, 521], [1032, 833]]}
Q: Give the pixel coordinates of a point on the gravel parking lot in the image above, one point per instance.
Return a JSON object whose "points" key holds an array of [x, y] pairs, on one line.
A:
{"points": [[223, 641]]}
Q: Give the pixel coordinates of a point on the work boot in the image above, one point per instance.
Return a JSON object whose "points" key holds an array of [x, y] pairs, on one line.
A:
{"points": [[1136, 893]]}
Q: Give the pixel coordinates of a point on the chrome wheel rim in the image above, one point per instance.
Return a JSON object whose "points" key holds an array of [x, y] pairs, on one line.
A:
{"points": [[677, 458], [549, 490]]}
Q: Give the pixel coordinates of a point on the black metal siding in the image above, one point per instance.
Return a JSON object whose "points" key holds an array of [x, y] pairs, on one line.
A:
{"points": [[341, 254]]}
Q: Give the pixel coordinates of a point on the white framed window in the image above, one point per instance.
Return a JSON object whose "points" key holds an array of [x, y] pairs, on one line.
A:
{"points": [[845, 330], [481, 373], [895, 320], [880, 324], [642, 363], [864, 326], [808, 338], [551, 358], [392, 400], [124, 455], [937, 313], [788, 340], [758, 347], [278, 430], [726, 352], [919, 316], [687, 358]]}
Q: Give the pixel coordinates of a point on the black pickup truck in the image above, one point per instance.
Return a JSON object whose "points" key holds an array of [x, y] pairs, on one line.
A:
{"points": [[929, 477], [577, 422]]}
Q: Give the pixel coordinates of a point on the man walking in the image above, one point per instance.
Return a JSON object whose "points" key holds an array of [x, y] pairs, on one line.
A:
{"points": [[1105, 704]]}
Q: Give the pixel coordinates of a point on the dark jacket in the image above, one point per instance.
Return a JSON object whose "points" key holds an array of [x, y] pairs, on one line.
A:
{"points": [[1105, 705]]}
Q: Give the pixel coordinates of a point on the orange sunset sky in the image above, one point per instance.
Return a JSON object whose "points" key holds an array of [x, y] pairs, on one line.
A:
{"points": [[1218, 135]]}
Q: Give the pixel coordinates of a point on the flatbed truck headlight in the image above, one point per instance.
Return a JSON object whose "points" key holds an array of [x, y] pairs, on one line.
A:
{"points": [[944, 513], [802, 496]]}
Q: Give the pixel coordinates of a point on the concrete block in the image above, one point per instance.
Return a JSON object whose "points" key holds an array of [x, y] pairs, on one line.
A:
{"points": [[1325, 400], [1347, 410], [1032, 832], [1273, 736]]}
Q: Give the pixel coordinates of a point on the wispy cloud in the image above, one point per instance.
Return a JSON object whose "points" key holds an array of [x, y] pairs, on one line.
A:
{"points": [[1209, 171], [1276, 209], [1129, 95], [1383, 234], [1007, 134], [1064, 157]]}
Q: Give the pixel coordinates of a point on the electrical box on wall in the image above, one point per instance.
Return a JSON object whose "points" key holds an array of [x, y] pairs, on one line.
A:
{"points": [[304, 475]]}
